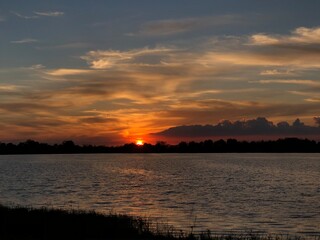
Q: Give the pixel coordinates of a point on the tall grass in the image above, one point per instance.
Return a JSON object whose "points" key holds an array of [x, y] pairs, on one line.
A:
{"points": [[28, 223]]}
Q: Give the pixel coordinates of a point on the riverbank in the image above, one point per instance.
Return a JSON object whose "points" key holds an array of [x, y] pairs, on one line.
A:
{"points": [[29, 223]]}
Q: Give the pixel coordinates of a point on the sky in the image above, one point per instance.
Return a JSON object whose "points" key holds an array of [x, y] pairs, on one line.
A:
{"points": [[110, 72]]}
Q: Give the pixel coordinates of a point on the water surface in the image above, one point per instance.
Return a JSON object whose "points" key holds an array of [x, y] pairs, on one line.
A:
{"points": [[271, 193]]}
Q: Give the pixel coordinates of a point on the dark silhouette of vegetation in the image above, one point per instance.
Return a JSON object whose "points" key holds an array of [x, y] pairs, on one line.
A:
{"points": [[25, 223], [286, 145], [37, 224]]}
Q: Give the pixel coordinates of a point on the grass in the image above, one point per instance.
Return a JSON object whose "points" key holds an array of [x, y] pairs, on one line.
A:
{"points": [[28, 223]]}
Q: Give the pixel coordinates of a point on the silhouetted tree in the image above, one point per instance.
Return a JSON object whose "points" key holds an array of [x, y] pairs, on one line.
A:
{"points": [[207, 146]]}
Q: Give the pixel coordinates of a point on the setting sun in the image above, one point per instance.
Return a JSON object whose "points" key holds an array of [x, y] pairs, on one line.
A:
{"points": [[139, 142]]}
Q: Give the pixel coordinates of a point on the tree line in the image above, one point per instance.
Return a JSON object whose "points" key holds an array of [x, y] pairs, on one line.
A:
{"points": [[285, 145]]}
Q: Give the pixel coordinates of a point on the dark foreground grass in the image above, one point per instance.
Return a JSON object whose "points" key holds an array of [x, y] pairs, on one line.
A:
{"points": [[27, 223]]}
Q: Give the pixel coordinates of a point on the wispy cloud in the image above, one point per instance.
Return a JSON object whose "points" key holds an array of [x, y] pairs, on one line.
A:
{"points": [[174, 26], [110, 58], [25, 40], [66, 72], [37, 66], [301, 35], [39, 14], [7, 87], [289, 81], [277, 72], [50, 14], [313, 100], [24, 16]]}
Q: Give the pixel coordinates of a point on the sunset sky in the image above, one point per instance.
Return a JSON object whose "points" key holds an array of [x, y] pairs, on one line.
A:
{"points": [[110, 72]]}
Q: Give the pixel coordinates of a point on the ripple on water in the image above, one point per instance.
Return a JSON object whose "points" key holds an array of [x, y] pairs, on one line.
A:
{"points": [[271, 193]]}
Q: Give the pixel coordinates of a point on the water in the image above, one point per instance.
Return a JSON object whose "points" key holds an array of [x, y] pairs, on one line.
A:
{"points": [[269, 193]]}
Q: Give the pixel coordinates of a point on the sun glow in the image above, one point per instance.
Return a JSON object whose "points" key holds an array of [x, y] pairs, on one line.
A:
{"points": [[139, 142]]}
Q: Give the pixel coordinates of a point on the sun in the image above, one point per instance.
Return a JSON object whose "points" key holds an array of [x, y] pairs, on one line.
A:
{"points": [[139, 142]]}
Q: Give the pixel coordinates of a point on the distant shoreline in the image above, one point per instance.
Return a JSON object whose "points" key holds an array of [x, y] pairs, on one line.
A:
{"points": [[286, 145]]}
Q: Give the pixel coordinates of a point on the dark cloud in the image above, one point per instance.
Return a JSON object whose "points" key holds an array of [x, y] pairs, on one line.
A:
{"points": [[253, 127], [40, 124], [92, 120], [22, 107]]}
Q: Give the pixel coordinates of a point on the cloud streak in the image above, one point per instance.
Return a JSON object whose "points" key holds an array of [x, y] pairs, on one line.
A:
{"points": [[103, 59], [305, 82], [175, 26], [25, 40], [50, 14], [277, 72], [39, 14], [24, 16]]}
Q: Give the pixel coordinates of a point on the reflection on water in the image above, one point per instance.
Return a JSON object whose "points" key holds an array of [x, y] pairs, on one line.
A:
{"points": [[274, 193]]}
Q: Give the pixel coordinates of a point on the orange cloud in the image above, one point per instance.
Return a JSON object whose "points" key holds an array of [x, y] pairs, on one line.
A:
{"points": [[301, 35], [123, 95]]}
